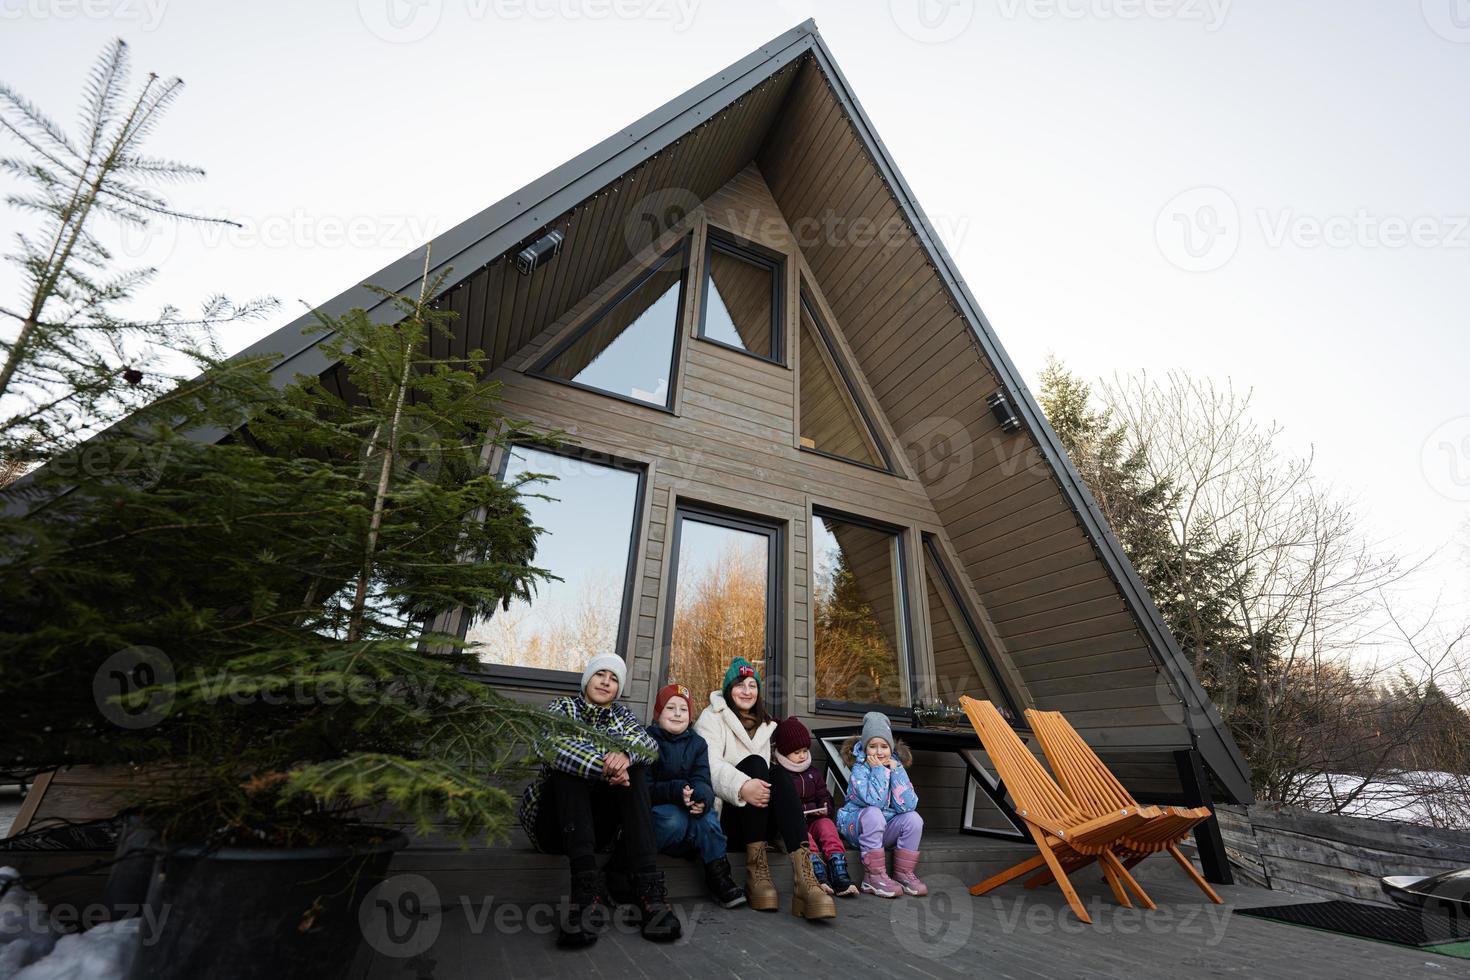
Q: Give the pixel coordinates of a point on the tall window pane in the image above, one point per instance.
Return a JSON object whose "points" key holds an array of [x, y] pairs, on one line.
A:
{"points": [[629, 349], [720, 603], [960, 659], [586, 541], [858, 618], [741, 291], [830, 420]]}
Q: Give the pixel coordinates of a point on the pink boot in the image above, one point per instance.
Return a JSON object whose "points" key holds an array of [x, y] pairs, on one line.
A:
{"points": [[904, 863], [875, 876]]}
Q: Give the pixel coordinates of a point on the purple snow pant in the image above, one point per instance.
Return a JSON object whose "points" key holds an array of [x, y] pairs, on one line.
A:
{"points": [[876, 832]]}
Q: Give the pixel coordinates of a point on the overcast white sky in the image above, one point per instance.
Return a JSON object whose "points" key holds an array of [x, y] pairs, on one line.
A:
{"points": [[1270, 193]]}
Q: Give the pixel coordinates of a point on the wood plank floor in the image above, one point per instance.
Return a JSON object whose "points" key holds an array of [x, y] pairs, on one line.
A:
{"points": [[478, 932]]}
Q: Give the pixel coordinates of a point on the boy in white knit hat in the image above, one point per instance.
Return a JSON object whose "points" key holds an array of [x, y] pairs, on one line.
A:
{"points": [[585, 798]]}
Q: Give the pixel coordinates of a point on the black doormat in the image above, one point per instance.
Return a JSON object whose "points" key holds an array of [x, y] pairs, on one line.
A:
{"points": [[1378, 922]]}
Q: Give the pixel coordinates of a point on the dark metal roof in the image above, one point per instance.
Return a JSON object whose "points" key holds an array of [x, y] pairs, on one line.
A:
{"points": [[479, 240]]}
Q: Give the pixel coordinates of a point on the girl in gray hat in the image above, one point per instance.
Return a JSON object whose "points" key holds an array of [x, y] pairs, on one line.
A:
{"points": [[880, 811]]}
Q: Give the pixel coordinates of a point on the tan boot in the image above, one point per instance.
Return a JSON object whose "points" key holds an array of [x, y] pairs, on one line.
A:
{"points": [[808, 900], [760, 893]]}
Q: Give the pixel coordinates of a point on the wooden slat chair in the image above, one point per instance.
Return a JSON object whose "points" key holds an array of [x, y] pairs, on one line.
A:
{"points": [[1067, 838], [1095, 790]]}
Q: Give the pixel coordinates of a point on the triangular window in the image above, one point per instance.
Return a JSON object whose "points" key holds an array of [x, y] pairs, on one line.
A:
{"points": [[742, 297], [627, 350], [833, 421]]}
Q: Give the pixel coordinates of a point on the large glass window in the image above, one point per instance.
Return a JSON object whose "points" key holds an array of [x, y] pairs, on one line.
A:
{"points": [[588, 516], [859, 617], [628, 349], [723, 599], [832, 421], [742, 299], [959, 657]]}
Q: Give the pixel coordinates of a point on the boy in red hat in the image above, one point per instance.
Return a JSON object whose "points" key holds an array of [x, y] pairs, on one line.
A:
{"points": [[684, 818], [793, 744]]}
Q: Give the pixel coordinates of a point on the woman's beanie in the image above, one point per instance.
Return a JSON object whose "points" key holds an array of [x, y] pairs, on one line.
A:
{"points": [[791, 735], [606, 661], [669, 692], [875, 725], [740, 668]]}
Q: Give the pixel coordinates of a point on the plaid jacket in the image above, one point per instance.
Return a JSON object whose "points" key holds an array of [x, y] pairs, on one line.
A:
{"points": [[580, 757]]}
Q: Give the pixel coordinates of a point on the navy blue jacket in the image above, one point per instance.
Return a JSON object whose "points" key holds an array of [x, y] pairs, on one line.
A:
{"points": [[683, 760]]}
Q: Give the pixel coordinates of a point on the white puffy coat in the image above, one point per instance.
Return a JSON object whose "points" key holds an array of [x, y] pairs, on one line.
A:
{"points": [[729, 743]]}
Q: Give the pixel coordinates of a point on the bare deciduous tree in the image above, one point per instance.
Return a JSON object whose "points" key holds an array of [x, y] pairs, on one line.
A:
{"points": [[554, 632], [720, 614], [1327, 678]]}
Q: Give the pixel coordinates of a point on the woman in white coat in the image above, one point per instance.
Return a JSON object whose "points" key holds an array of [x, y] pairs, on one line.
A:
{"points": [[757, 801]]}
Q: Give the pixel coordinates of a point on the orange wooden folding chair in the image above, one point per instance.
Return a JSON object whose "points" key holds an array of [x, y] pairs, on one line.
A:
{"points": [[1067, 838], [1095, 790]]}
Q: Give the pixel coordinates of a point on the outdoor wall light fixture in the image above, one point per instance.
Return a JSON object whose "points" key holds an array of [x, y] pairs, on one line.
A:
{"points": [[539, 252], [1000, 407]]}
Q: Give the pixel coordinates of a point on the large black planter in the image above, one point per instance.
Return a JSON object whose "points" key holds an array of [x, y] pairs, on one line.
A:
{"points": [[240, 913]]}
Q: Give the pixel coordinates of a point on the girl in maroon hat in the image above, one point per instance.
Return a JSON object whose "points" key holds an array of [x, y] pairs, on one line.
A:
{"points": [[793, 744]]}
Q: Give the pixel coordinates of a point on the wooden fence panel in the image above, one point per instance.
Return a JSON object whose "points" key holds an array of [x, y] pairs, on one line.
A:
{"points": [[1330, 856]]}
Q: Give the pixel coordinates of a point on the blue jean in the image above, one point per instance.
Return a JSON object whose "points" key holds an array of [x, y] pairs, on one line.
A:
{"points": [[678, 833]]}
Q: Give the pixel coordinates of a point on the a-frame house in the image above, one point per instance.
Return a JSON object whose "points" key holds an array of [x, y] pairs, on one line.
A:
{"points": [[775, 369], [795, 437]]}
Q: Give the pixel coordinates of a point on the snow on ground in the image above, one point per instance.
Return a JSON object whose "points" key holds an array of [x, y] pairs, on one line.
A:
{"points": [[1430, 799], [32, 948]]}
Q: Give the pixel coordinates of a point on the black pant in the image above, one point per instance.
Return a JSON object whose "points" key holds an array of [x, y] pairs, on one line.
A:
{"points": [[579, 817], [780, 819]]}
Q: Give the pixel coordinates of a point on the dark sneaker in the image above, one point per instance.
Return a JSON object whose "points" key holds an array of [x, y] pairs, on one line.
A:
{"points": [[837, 878], [819, 871], [721, 884], [586, 912], [656, 916]]}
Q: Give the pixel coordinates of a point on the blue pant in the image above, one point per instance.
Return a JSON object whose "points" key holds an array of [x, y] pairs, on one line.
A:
{"points": [[676, 832]]}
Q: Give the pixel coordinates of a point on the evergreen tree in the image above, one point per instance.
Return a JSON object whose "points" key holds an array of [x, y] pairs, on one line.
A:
{"points": [[1195, 579], [72, 359], [252, 614], [856, 661]]}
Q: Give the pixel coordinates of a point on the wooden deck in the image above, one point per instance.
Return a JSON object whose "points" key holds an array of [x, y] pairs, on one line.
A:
{"points": [[1016, 933]]}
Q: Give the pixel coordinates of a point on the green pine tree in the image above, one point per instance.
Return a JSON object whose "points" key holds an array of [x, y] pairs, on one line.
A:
{"points": [[72, 358], [257, 610]]}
